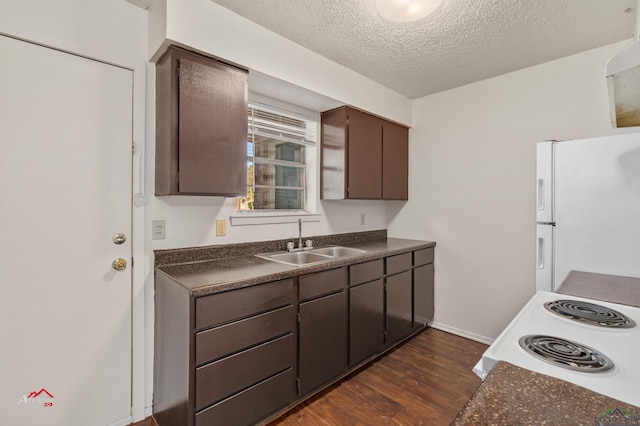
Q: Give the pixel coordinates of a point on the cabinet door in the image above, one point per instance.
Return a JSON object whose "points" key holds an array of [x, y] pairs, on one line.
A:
{"points": [[364, 156], [423, 300], [212, 129], [201, 126], [366, 321], [399, 306], [395, 161], [323, 341]]}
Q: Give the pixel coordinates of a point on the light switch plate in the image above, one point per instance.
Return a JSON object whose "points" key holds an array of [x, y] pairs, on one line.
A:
{"points": [[157, 230]]}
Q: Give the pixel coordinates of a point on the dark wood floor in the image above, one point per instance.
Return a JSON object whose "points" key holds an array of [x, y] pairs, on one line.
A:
{"points": [[425, 381]]}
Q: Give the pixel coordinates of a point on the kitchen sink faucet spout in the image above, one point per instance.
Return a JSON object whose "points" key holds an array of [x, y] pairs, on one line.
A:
{"points": [[300, 233]]}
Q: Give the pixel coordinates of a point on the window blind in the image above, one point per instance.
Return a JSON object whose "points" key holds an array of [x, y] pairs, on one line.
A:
{"points": [[285, 126]]}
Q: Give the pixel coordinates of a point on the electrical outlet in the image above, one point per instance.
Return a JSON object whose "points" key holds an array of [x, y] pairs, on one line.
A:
{"points": [[362, 217], [157, 230], [221, 228]]}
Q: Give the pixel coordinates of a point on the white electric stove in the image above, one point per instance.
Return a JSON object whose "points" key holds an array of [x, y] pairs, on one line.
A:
{"points": [[603, 358]]}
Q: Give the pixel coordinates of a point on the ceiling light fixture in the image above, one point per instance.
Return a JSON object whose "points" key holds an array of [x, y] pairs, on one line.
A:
{"points": [[406, 10]]}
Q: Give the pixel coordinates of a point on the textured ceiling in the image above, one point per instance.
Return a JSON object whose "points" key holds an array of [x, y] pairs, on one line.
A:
{"points": [[461, 42]]}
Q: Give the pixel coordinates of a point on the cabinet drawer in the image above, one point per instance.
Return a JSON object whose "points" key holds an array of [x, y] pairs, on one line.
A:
{"points": [[314, 285], [251, 405], [229, 338], [423, 257], [223, 378], [398, 263], [364, 272], [236, 304]]}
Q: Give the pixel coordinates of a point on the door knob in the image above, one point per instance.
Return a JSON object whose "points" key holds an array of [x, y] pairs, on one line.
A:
{"points": [[119, 238], [119, 264]]}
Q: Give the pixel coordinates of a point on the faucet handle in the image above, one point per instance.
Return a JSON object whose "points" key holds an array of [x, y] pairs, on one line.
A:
{"points": [[308, 244], [290, 245]]}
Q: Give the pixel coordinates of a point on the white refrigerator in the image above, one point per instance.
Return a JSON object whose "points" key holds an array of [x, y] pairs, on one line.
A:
{"points": [[588, 208]]}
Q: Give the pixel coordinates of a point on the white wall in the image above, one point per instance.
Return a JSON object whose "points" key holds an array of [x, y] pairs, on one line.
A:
{"points": [[278, 68], [116, 32], [472, 181]]}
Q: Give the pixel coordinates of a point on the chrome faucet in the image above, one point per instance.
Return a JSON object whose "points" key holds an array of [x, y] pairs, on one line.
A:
{"points": [[307, 245]]}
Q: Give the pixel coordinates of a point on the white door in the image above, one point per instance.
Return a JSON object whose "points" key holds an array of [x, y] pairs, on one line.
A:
{"points": [[65, 190]]}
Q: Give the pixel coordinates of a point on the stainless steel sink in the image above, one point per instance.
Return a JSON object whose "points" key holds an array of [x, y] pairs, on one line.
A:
{"points": [[338, 251], [297, 258], [311, 256]]}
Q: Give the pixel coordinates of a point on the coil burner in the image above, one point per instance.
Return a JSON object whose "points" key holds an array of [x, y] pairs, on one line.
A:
{"points": [[589, 313], [566, 354]]}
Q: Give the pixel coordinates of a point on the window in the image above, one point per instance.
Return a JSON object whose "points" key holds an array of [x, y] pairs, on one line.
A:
{"points": [[278, 151]]}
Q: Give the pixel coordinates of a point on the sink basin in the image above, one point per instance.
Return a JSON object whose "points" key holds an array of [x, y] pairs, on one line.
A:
{"points": [[297, 258], [337, 251], [312, 256]]}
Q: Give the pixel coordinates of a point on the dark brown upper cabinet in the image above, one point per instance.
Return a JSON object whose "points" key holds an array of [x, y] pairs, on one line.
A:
{"points": [[201, 125], [395, 161], [363, 156]]}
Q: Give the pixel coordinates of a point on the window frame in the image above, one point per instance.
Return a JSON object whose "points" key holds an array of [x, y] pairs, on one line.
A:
{"points": [[309, 145]]}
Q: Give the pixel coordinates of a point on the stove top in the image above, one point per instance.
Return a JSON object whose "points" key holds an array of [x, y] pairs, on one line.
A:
{"points": [[618, 346], [589, 313], [565, 353]]}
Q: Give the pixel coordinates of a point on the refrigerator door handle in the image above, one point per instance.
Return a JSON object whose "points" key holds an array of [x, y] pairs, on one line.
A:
{"points": [[544, 257], [544, 182], [540, 194], [540, 253]]}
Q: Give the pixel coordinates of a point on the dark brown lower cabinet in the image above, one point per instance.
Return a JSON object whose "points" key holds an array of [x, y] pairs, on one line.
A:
{"points": [[423, 304], [323, 341], [366, 321], [239, 357], [226, 358], [399, 305]]}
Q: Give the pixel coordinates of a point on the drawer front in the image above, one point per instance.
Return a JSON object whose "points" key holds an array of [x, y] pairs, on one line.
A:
{"points": [[253, 404], [236, 304], [398, 263], [365, 272], [423, 257], [314, 285], [229, 375], [229, 338]]}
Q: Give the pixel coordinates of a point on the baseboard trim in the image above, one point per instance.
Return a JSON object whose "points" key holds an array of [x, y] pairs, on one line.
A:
{"points": [[462, 333]]}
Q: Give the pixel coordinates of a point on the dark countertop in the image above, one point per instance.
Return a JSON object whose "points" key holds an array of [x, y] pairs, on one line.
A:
{"points": [[608, 288], [205, 277], [511, 395]]}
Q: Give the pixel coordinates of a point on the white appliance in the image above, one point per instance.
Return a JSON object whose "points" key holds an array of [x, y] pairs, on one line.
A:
{"points": [[588, 208], [621, 347]]}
